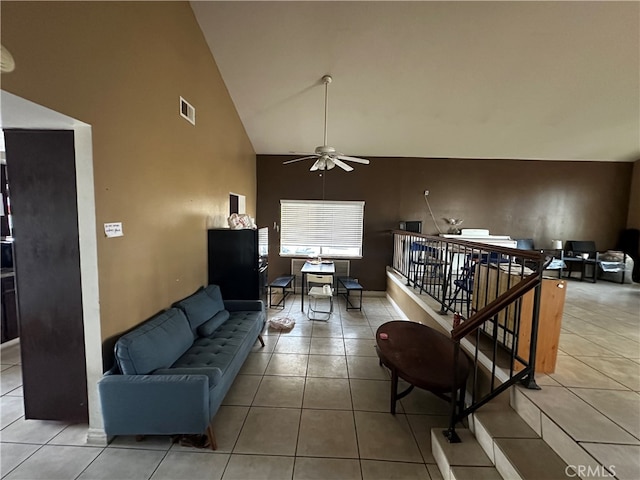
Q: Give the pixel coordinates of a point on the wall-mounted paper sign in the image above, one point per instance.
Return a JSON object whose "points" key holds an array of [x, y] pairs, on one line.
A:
{"points": [[113, 229]]}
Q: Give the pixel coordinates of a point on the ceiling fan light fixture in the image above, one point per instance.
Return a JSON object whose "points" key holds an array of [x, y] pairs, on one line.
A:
{"points": [[7, 63]]}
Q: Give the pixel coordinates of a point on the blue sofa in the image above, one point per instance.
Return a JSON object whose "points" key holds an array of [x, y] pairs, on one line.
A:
{"points": [[172, 372]]}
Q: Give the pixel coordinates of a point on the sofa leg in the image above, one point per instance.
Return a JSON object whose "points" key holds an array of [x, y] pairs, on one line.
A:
{"points": [[261, 340], [212, 438]]}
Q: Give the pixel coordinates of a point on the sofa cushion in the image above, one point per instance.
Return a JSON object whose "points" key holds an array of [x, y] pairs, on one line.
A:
{"points": [[216, 295], [211, 325], [220, 349], [155, 344], [200, 307], [213, 373]]}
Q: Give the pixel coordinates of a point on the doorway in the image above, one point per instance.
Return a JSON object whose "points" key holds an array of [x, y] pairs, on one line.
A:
{"points": [[19, 113]]}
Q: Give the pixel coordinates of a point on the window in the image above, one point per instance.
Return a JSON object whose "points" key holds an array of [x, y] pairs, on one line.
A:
{"points": [[314, 227]]}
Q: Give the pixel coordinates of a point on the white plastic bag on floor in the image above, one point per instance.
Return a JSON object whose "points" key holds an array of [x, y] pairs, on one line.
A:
{"points": [[282, 323]]}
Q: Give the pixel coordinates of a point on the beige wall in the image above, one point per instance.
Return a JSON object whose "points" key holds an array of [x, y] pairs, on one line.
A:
{"points": [[121, 67], [633, 220]]}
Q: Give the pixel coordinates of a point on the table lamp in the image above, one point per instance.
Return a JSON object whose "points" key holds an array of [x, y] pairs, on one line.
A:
{"points": [[556, 244]]}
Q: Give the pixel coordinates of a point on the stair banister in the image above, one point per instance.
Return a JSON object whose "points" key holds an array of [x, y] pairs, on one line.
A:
{"points": [[494, 307]]}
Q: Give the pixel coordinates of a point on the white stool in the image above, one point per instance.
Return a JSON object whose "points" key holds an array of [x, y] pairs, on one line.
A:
{"points": [[318, 295]]}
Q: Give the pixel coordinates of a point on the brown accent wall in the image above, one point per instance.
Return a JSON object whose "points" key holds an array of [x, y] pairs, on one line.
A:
{"points": [[633, 220], [525, 199], [121, 67], [410, 307]]}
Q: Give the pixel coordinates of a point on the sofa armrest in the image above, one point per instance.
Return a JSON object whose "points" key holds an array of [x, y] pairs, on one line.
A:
{"points": [[154, 404], [214, 374], [244, 305]]}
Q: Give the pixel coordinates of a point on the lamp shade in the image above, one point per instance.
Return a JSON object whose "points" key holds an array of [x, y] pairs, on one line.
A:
{"points": [[556, 244]]}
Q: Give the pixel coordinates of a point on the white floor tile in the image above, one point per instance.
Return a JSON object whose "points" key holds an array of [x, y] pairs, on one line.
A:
{"points": [[11, 409], [123, 463], [54, 462], [192, 466], [13, 454], [258, 467], [32, 431]]}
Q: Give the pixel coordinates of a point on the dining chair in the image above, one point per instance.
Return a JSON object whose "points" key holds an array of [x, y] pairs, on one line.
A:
{"points": [[320, 295]]}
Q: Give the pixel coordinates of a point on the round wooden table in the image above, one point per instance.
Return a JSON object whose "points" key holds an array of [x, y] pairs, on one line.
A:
{"points": [[421, 356]]}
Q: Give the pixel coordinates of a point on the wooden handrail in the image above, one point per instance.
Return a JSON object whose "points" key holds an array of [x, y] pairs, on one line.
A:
{"points": [[485, 313]]}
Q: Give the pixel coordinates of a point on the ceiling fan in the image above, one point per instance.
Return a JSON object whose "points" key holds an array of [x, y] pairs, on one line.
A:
{"points": [[327, 157]]}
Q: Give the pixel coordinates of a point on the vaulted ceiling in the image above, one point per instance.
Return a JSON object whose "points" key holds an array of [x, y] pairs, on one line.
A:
{"points": [[516, 80]]}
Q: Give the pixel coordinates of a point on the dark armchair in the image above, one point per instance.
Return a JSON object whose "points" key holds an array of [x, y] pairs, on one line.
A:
{"points": [[629, 243]]}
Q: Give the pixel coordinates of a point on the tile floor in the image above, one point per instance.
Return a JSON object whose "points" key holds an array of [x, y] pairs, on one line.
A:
{"points": [[313, 404], [594, 394]]}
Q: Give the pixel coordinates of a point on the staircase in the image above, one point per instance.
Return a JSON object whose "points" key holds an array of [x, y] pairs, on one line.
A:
{"points": [[514, 436], [513, 432], [511, 438]]}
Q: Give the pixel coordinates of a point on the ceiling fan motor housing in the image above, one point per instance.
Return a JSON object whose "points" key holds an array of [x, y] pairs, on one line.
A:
{"points": [[325, 150]]}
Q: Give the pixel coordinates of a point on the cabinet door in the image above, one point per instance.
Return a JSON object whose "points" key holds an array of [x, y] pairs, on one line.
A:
{"points": [[233, 263]]}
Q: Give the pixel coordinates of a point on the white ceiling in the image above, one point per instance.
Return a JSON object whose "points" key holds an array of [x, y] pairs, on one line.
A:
{"points": [[523, 80], [16, 112]]}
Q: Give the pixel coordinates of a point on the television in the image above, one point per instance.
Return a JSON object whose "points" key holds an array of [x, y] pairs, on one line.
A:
{"points": [[414, 226]]}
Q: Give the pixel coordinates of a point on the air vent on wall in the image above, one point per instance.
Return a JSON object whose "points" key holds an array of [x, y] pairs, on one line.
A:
{"points": [[187, 111]]}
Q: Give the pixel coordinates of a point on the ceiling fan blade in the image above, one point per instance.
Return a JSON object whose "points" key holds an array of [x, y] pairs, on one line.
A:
{"points": [[342, 165], [299, 159], [354, 159], [318, 165]]}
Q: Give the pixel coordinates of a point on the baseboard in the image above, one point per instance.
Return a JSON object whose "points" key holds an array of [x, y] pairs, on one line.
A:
{"points": [[374, 293], [97, 437]]}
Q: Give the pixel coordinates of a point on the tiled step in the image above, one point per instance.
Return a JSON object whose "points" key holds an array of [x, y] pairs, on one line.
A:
{"points": [[499, 445], [475, 473], [539, 434], [571, 428], [498, 421], [461, 461], [529, 459], [514, 447]]}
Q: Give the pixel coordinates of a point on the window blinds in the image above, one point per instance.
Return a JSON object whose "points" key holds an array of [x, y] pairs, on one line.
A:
{"points": [[329, 225]]}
